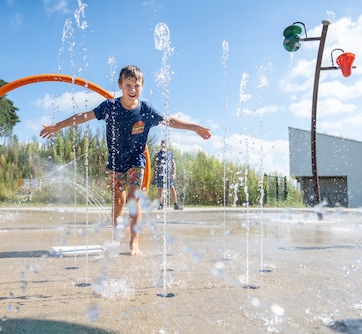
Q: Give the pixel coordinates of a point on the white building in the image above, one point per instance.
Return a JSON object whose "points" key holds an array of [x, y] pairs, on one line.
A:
{"points": [[339, 166]]}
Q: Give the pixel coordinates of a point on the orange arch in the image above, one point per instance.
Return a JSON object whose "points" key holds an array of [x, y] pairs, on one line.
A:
{"points": [[80, 82]]}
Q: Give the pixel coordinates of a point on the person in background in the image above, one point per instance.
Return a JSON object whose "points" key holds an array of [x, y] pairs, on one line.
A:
{"points": [[128, 121], [164, 175]]}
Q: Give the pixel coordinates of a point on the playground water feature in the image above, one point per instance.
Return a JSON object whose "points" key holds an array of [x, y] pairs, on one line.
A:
{"points": [[206, 259], [312, 283]]}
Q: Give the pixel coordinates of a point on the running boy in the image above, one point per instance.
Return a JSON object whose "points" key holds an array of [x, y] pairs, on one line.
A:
{"points": [[128, 121]]}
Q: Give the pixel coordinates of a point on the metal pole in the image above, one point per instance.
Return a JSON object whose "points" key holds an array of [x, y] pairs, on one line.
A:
{"points": [[317, 196], [285, 188], [266, 188]]}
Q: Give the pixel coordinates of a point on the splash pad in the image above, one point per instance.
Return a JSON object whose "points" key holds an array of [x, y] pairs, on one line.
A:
{"points": [[314, 286], [211, 294]]}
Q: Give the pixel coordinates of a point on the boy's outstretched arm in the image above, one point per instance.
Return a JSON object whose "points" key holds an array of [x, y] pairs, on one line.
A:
{"points": [[177, 123], [79, 118]]}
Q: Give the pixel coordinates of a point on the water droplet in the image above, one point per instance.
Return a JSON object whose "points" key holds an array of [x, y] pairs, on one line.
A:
{"points": [[278, 310], [82, 232], [220, 265], [242, 279], [256, 302], [185, 248], [216, 272], [132, 207], [23, 285], [162, 36], [119, 220], [93, 313]]}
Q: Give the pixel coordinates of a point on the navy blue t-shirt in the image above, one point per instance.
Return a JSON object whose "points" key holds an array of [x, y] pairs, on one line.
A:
{"points": [[127, 132]]}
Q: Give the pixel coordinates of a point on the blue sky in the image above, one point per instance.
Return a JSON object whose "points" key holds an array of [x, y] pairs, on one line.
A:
{"points": [[229, 70]]}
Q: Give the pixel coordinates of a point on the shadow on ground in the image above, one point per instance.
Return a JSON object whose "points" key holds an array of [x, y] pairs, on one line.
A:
{"points": [[21, 254], [38, 253], [320, 247], [32, 326], [348, 326]]}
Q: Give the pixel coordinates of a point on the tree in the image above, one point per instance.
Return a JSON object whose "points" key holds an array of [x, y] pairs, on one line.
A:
{"points": [[8, 116]]}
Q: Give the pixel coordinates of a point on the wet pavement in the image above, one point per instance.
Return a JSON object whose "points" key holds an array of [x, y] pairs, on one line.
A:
{"points": [[203, 270]]}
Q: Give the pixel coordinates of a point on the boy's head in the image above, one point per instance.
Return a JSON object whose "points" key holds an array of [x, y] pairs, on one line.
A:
{"points": [[132, 72]]}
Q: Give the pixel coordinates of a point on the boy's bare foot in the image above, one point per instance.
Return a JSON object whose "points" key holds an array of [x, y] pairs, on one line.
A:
{"points": [[135, 251]]}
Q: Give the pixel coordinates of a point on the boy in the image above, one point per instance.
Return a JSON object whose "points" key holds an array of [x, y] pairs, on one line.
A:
{"points": [[128, 121]]}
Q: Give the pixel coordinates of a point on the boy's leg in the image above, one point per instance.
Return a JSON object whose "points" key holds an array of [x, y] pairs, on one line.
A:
{"points": [[134, 181], [134, 217], [119, 201]]}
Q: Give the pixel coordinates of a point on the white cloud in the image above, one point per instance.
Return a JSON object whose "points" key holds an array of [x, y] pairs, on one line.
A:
{"points": [[343, 33], [70, 102], [267, 156], [330, 106], [299, 80], [56, 6], [266, 110], [259, 154], [340, 89], [185, 117], [302, 108], [346, 127], [326, 107], [211, 124]]}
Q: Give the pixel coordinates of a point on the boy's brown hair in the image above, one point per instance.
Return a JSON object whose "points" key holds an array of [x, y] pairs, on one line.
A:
{"points": [[131, 71]]}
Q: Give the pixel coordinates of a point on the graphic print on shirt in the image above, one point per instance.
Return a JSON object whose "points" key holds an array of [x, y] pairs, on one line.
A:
{"points": [[138, 127]]}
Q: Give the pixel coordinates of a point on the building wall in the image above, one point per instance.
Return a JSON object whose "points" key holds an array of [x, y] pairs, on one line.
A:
{"points": [[333, 190], [336, 157]]}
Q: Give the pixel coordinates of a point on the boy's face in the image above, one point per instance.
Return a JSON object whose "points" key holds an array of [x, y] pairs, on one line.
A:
{"points": [[131, 88]]}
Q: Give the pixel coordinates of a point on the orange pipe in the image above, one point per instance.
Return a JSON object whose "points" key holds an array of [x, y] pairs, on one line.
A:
{"points": [[56, 78], [80, 82]]}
